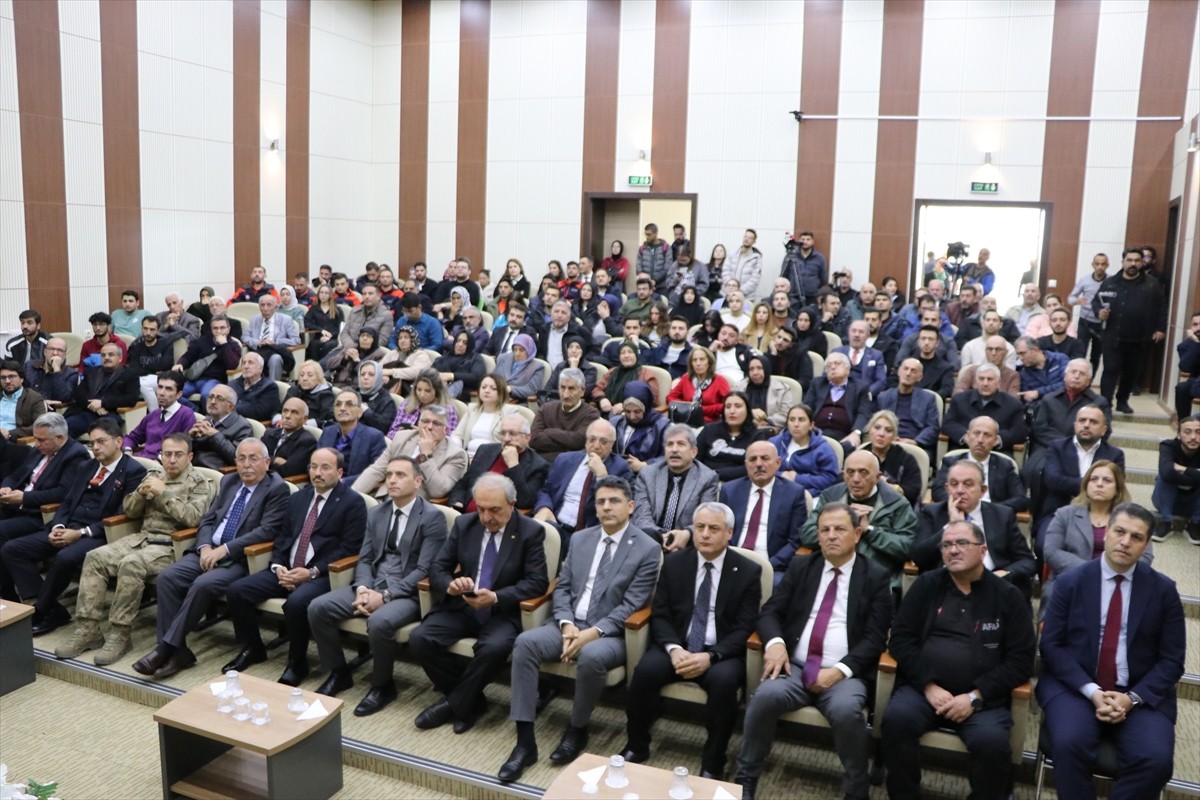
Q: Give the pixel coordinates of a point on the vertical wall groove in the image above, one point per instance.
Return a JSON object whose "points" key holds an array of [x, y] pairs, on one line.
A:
{"points": [[896, 143], [414, 130], [816, 153], [672, 40], [471, 204], [39, 99], [296, 125], [247, 88]]}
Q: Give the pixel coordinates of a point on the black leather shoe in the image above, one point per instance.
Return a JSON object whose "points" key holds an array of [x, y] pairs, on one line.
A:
{"points": [[435, 716], [294, 674], [180, 660], [573, 743], [53, 619], [464, 724], [712, 776], [339, 680], [520, 758], [247, 658], [748, 786], [149, 664], [634, 756], [375, 699], [1123, 408]]}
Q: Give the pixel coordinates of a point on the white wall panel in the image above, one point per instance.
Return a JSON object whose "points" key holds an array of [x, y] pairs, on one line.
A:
{"points": [[79, 18], [11, 187], [14, 283], [442, 171], [83, 157], [81, 98], [87, 252], [635, 87]]}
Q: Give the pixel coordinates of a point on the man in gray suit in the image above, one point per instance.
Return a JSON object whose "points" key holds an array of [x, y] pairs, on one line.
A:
{"points": [[666, 494], [609, 573], [250, 508], [272, 335], [215, 438], [401, 540]]}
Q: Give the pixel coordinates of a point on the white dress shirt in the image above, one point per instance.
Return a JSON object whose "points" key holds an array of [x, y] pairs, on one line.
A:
{"points": [[216, 536], [710, 630], [1085, 457], [837, 640], [760, 541], [585, 598], [568, 512]]}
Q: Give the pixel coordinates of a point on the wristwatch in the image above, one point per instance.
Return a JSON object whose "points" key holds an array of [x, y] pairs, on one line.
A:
{"points": [[1134, 699], [421, 458], [976, 701]]}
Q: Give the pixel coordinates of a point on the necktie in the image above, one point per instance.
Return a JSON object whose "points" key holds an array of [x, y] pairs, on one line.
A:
{"points": [[584, 497], [816, 641], [855, 357], [394, 533], [698, 629], [486, 567], [234, 516], [163, 416], [99, 479], [751, 537], [306, 532], [668, 520], [600, 584], [33, 481], [1106, 670]]}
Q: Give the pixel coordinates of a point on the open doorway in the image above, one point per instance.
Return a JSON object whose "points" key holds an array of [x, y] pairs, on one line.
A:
{"points": [[1016, 235], [622, 216]]}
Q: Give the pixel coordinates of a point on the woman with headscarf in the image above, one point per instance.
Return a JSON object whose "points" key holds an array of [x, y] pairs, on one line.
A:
{"points": [[609, 393], [520, 369], [690, 307], [722, 444], [378, 407], [809, 336], [574, 355], [427, 390], [461, 368], [324, 322], [289, 306], [200, 308], [343, 370], [769, 397], [640, 429], [451, 313], [406, 362]]}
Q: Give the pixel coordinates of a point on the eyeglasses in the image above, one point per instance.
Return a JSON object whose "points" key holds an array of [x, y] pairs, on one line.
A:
{"points": [[961, 544]]}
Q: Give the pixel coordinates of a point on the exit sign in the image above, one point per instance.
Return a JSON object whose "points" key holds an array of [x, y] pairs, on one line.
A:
{"points": [[640, 180], [985, 188]]}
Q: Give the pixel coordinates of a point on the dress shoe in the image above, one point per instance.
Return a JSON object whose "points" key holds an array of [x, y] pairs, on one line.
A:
{"points": [[435, 716], [464, 724], [632, 756], [246, 658], [712, 776], [148, 664], [520, 758], [748, 786], [339, 680], [573, 743], [53, 619], [1124, 408], [293, 674], [181, 659], [376, 699]]}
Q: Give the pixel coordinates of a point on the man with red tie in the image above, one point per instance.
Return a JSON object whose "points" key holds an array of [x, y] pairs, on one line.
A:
{"points": [[1112, 652], [824, 628]]}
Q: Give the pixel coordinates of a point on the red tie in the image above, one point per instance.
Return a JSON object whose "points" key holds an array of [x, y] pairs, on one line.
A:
{"points": [[855, 357], [583, 500], [306, 532], [99, 479], [33, 481], [1106, 670], [816, 640], [751, 536]]}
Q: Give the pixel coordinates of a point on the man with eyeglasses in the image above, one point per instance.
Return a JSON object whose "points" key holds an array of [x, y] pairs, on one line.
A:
{"points": [[360, 445], [511, 458], [215, 438], [170, 498], [963, 640], [208, 359], [50, 376], [566, 499], [19, 406], [440, 458], [249, 509]]}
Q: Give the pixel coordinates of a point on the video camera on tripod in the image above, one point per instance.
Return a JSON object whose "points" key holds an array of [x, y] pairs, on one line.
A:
{"points": [[957, 254]]}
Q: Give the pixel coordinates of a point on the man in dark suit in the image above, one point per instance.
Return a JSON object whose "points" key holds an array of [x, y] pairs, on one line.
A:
{"points": [[705, 605], [768, 513], [1066, 462], [289, 446], [1004, 485], [841, 405], [503, 335], [511, 458], [667, 494], [360, 445], [986, 399], [813, 656], [325, 522], [399, 546], [916, 409], [257, 397], [43, 476], [215, 438], [492, 560], [608, 575], [1054, 416], [1007, 554], [866, 363], [1116, 679], [102, 391], [249, 509], [97, 490], [565, 500]]}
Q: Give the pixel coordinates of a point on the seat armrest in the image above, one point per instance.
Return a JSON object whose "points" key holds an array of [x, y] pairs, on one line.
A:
{"points": [[887, 664], [803, 551], [299, 480], [185, 534], [1023, 692], [343, 564], [755, 642], [341, 572], [116, 519], [533, 604], [423, 585], [910, 568], [258, 556], [227, 470], [439, 501], [258, 549], [638, 620]]}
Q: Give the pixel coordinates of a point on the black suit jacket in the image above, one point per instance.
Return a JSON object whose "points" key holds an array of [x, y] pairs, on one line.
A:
{"points": [[739, 595], [1005, 542], [83, 505], [116, 390], [298, 449], [519, 573], [868, 612], [1005, 486], [528, 475], [54, 481], [338, 533], [857, 397], [1007, 410], [260, 401], [543, 339], [501, 333], [261, 520]]}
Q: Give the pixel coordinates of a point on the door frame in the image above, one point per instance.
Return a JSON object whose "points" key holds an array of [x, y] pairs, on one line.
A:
{"points": [[588, 215]]}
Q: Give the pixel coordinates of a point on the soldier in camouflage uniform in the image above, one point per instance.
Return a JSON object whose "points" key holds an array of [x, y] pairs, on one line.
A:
{"points": [[167, 500]]}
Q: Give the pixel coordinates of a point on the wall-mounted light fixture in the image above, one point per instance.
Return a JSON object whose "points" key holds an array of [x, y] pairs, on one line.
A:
{"points": [[274, 146], [1194, 142]]}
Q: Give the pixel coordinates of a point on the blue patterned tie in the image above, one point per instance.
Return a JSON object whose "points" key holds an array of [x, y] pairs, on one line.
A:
{"points": [[234, 516], [699, 627], [600, 584], [486, 568]]}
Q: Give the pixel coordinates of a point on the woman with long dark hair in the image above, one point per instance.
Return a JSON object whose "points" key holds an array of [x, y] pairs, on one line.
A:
{"points": [[324, 321], [616, 264], [722, 444]]}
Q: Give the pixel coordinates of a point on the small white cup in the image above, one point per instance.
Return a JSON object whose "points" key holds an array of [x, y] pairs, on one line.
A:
{"points": [[260, 714], [225, 702], [241, 709]]}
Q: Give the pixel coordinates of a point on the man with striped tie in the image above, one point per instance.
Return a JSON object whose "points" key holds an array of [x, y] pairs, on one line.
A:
{"points": [[249, 508], [609, 573]]}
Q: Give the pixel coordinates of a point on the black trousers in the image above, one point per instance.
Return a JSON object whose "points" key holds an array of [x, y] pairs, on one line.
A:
{"points": [[463, 683], [721, 682], [1091, 332], [15, 525], [21, 557], [1122, 365], [244, 596], [1185, 392]]}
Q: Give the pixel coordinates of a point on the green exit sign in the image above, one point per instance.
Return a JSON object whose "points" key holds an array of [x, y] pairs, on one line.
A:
{"points": [[985, 188], [640, 180]]}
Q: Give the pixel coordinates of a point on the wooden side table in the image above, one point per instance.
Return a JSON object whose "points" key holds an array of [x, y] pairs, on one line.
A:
{"points": [[207, 754], [16, 646], [644, 781]]}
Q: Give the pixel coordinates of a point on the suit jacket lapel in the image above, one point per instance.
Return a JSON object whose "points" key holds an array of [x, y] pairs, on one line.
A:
{"points": [[729, 574], [508, 542], [410, 530], [1138, 600], [1091, 605], [858, 580]]}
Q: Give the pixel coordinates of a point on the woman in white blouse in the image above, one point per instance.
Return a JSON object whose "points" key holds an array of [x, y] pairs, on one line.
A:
{"points": [[481, 423]]}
